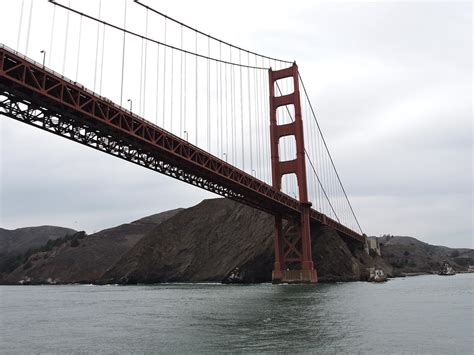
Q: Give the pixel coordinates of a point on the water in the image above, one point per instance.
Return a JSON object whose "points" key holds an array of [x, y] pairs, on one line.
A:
{"points": [[424, 314]]}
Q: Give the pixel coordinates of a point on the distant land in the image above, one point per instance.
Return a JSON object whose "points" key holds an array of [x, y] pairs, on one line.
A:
{"points": [[209, 242]]}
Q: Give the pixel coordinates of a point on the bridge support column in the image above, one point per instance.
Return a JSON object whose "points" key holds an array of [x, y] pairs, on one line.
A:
{"points": [[293, 256]]}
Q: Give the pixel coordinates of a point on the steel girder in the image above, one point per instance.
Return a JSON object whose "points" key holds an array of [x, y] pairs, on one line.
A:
{"points": [[35, 95]]}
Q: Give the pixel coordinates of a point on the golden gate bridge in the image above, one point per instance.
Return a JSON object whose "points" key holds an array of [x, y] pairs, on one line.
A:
{"points": [[168, 97]]}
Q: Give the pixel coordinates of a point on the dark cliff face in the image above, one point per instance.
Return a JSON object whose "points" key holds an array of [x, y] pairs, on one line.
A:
{"points": [[220, 237], [202, 243], [88, 258]]}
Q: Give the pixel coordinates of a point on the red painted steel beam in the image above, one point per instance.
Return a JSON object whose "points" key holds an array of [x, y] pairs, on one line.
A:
{"points": [[31, 82]]}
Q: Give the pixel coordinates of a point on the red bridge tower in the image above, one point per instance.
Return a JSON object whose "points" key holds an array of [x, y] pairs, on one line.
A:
{"points": [[293, 257]]}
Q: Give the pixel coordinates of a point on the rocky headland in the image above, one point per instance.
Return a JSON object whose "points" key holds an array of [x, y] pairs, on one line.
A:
{"points": [[208, 243]]}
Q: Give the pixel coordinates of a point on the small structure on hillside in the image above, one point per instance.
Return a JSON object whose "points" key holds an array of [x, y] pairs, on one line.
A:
{"points": [[446, 269], [376, 275], [373, 245]]}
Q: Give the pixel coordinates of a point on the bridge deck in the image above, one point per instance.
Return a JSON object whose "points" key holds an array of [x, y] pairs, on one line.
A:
{"points": [[38, 96]]}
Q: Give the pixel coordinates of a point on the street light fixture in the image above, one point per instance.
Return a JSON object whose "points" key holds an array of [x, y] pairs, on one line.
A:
{"points": [[186, 134], [225, 156], [44, 56], [131, 103]]}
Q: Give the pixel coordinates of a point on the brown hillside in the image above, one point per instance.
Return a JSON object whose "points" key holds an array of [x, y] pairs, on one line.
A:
{"points": [[87, 261], [409, 255], [209, 241], [18, 241]]}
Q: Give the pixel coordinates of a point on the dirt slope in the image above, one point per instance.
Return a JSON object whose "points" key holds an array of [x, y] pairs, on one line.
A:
{"points": [[209, 241]]}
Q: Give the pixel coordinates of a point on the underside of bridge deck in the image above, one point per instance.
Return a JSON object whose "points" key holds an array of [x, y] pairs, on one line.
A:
{"points": [[34, 95]]}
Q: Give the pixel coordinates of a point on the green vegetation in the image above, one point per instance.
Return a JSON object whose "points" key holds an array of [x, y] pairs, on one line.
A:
{"points": [[13, 262]]}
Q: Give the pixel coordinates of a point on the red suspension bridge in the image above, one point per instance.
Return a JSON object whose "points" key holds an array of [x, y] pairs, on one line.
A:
{"points": [[200, 110]]}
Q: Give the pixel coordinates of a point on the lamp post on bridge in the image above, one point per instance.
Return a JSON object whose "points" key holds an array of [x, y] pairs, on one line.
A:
{"points": [[131, 103], [224, 155], [186, 134], [44, 56]]}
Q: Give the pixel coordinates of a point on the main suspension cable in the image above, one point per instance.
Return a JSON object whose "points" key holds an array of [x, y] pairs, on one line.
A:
{"points": [[209, 36], [68, 8], [325, 145]]}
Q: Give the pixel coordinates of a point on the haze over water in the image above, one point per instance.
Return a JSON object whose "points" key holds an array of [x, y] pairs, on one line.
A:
{"points": [[425, 314]]}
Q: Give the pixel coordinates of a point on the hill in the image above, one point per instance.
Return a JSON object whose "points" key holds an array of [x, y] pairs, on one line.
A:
{"points": [[219, 237], [17, 241], [14, 243], [408, 255], [85, 258], [212, 241]]}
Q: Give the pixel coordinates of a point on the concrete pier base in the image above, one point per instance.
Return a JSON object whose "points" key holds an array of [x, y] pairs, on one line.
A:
{"points": [[294, 276]]}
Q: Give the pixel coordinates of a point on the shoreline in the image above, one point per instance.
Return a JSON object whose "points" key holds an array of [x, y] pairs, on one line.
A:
{"points": [[217, 283]]}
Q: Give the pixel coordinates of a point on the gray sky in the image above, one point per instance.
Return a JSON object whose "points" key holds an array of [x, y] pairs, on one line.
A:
{"points": [[392, 87]]}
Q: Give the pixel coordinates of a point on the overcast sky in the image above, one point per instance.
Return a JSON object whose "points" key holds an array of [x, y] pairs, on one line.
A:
{"points": [[392, 87]]}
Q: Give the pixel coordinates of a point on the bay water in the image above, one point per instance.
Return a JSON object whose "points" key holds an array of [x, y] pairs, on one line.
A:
{"points": [[419, 315]]}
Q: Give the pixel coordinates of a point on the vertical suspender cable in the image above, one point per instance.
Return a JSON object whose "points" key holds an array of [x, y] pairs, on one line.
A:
{"points": [[102, 59], [321, 169], [265, 132], [123, 51], [157, 93], [96, 43], [172, 89], [79, 49], [312, 143], [140, 96], [226, 113], [65, 40], [257, 122], [29, 27], [184, 108], [218, 110], [264, 119], [242, 141], [232, 123], [19, 26], [332, 162], [234, 118], [208, 95], [145, 70], [51, 37], [221, 119], [196, 95], [164, 79], [250, 114], [181, 88]]}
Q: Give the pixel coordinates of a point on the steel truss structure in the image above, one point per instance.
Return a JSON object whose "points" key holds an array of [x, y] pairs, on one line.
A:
{"points": [[42, 98]]}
